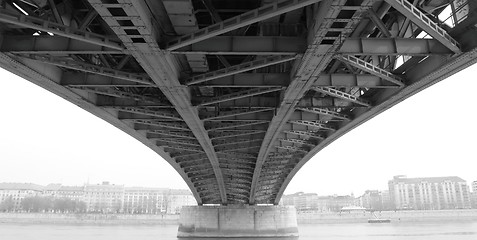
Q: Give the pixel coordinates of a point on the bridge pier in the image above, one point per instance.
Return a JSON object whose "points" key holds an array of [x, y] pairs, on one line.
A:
{"points": [[238, 221]]}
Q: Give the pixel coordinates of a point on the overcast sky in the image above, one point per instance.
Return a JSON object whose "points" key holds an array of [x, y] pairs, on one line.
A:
{"points": [[45, 139]]}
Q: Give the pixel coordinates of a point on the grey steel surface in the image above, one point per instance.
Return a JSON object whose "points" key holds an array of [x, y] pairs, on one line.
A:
{"points": [[237, 95]]}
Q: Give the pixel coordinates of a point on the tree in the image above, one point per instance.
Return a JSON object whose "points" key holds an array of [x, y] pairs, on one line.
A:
{"points": [[7, 205], [37, 204]]}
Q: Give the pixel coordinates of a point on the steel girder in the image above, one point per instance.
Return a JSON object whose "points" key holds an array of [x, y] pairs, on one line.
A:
{"points": [[238, 95], [250, 45], [256, 15], [246, 45], [425, 23], [250, 80], [160, 67], [286, 47], [243, 67], [311, 65], [217, 127], [58, 29], [91, 68], [157, 102], [342, 95], [52, 45], [234, 113], [370, 68]]}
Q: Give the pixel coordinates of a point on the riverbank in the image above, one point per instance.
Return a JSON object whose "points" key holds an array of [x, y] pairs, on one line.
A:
{"points": [[95, 219], [303, 217], [313, 217]]}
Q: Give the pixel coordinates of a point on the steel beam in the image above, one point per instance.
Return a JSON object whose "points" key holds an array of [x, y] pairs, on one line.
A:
{"points": [[325, 112], [126, 95], [250, 80], [342, 95], [92, 14], [90, 68], [243, 67], [297, 141], [293, 149], [46, 44], [256, 15], [237, 141], [352, 80], [137, 110], [266, 45], [182, 148], [181, 142], [370, 68], [235, 125], [58, 29], [311, 134], [175, 126], [246, 45], [314, 61], [379, 23], [216, 136], [238, 95], [170, 134], [393, 47], [55, 11], [238, 112], [314, 124], [90, 80], [425, 23], [235, 149]]}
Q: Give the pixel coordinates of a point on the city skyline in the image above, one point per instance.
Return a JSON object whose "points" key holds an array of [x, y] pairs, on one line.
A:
{"points": [[470, 184], [67, 144]]}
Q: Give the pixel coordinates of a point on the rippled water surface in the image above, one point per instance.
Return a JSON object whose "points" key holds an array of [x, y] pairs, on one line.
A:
{"points": [[357, 231]]}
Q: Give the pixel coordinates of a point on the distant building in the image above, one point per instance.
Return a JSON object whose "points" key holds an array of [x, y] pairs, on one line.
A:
{"points": [[176, 198], [76, 193], [101, 198], [336, 203], [145, 200], [12, 194], [375, 200], [311, 201], [105, 197], [474, 195], [51, 189], [301, 201], [429, 193]]}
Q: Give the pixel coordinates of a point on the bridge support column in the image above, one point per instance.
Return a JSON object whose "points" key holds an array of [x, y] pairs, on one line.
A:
{"points": [[238, 221]]}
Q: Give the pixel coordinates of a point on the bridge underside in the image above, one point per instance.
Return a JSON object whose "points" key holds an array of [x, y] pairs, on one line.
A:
{"points": [[237, 95]]}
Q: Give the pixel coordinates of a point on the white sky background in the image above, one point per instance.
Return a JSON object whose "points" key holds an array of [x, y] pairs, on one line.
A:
{"points": [[45, 139]]}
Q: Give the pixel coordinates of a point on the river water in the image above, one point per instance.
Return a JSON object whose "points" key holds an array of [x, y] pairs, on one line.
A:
{"points": [[355, 231]]}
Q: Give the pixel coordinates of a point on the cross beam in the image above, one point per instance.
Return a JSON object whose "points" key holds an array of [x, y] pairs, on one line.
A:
{"points": [[243, 67], [370, 68], [91, 68], [425, 23], [238, 95], [256, 15], [342, 95], [324, 111], [58, 29], [235, 125], [237, 113]]}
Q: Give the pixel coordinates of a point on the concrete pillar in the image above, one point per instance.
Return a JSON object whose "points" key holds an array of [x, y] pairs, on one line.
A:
{"points": [[238, 221]]}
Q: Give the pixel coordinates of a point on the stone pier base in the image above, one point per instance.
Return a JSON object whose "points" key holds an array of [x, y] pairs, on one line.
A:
{"points": [[238, 221]]}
